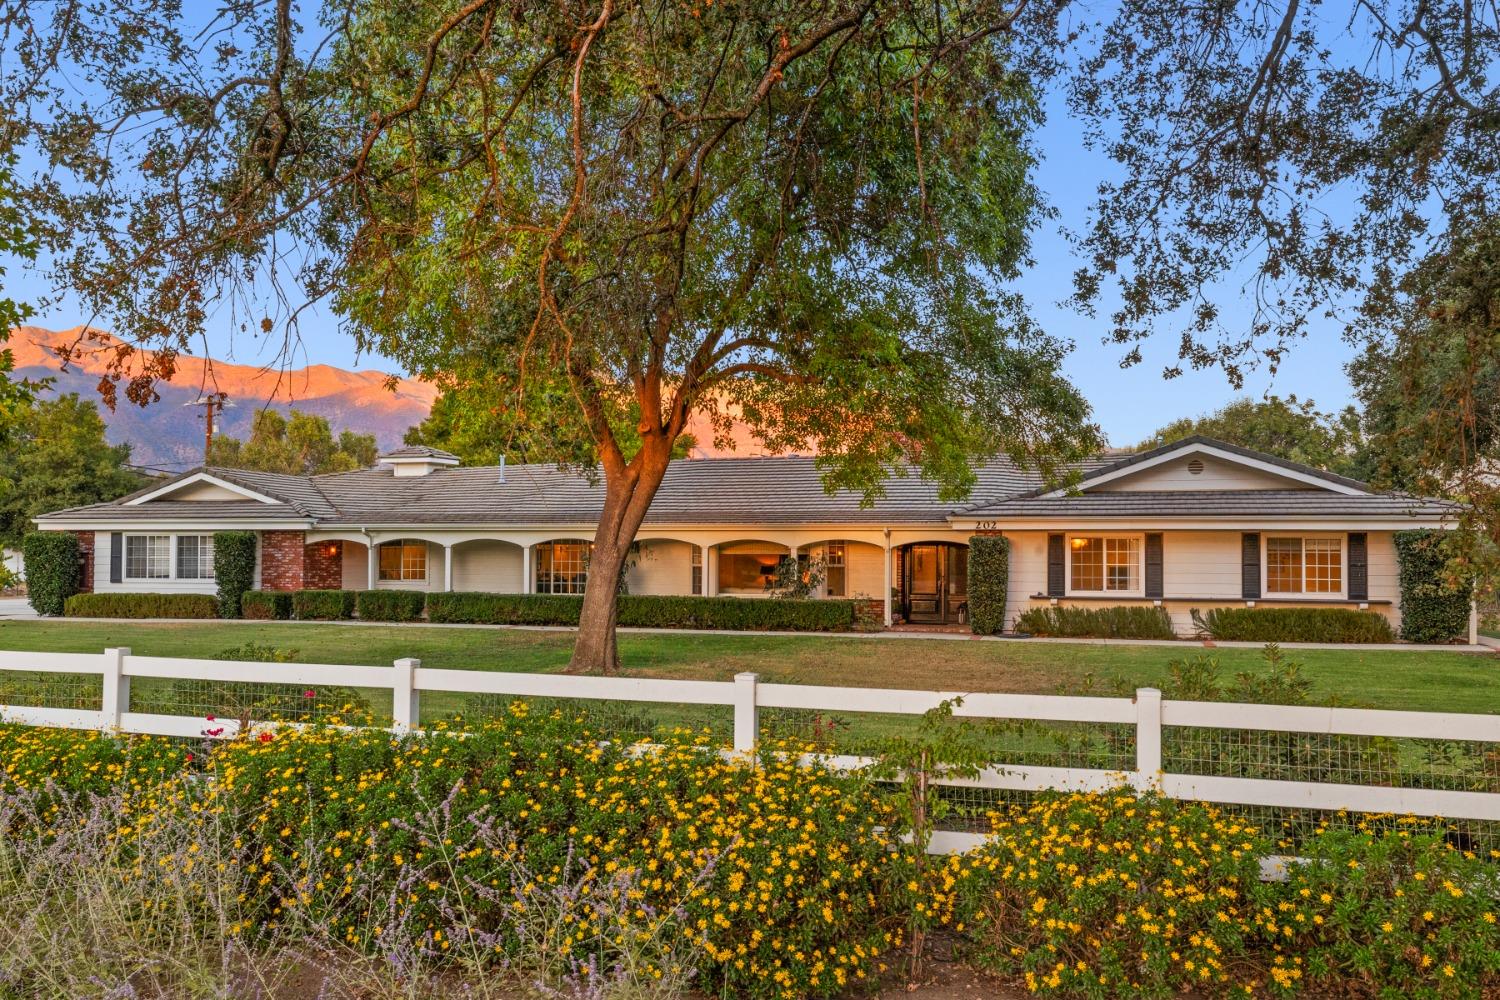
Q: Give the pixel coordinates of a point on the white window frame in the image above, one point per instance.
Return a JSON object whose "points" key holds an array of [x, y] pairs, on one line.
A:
{"points": [[177, 557], [1140, 568], [1342, 594], [401, 568], [146, 537]]}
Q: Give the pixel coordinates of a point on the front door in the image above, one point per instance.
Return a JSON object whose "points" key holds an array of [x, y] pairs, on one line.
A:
{"points": [[937, 583]]}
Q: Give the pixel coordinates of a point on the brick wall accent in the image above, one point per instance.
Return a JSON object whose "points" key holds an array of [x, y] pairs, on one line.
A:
{"points": [[323, 566], [869, 613], [85, 561], [282, 560]]}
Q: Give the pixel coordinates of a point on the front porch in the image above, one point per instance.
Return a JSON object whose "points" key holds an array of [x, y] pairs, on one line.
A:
{"points": [[900, 575]]}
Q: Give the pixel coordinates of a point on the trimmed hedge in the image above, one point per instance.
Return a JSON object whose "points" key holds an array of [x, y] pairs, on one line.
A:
{"points": [[234, 569], [647, 611], [142, 606], [266, 605], [323, 605], [1431, 611], [52, 569], [1121, 622], [989, 573], [1294, 625], [389, 605]]}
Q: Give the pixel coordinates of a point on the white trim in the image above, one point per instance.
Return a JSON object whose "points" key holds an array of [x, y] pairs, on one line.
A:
{"points": [[415, 460], [203, 477], [1136, 592], [1205, 449], [1257, 523]]}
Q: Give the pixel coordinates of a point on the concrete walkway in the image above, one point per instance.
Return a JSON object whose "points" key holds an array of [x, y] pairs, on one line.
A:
{"points": [[1398, 647], [16, 608]]}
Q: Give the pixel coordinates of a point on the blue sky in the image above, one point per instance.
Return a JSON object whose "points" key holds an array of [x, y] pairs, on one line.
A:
{"points": [[1128, 403]]}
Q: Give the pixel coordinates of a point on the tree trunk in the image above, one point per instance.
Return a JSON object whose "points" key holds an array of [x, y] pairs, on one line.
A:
{"points": [[627, 496]]}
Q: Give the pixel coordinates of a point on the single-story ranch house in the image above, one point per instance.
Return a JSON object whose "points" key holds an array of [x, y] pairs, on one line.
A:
{"points": [[1194, 524]]}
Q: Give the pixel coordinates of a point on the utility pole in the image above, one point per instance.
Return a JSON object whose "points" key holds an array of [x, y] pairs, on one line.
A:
{"points": [[210, 402]]}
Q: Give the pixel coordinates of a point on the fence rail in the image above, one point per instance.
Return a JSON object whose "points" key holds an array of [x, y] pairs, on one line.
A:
{"points": [[1147, 716]]}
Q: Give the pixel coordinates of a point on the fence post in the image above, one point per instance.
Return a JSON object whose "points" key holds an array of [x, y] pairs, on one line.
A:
{"points": [[115, 700], [405, 699], [1147, 739], [746, 715]]}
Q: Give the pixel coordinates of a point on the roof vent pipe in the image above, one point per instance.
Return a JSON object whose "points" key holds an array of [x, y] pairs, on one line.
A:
{"points": [[502, 468]]}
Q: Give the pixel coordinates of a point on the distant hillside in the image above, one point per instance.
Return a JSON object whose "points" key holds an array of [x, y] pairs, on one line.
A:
{"points": [[168, 435]]}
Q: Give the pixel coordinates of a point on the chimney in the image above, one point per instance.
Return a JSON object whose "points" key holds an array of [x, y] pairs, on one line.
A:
{"points": [[417, 460]]}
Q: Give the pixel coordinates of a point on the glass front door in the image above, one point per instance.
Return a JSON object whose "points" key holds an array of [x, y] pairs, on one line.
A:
{"points": [[936, 583]]}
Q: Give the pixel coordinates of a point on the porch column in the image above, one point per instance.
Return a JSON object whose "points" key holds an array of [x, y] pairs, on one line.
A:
{"points": [[371, 563], [711, 570], [526, 584], [447, 569], [889, 599]]}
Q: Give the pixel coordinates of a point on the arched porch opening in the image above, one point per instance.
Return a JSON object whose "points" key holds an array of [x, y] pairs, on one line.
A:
{"points": [[933, 582], [744, 568], [487, 565]]}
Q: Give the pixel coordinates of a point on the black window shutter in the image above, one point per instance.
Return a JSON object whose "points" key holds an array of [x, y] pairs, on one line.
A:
{"points": [[1153, 565], [1250, 565], [1359, 566], [1056, 576], [116, 557]]}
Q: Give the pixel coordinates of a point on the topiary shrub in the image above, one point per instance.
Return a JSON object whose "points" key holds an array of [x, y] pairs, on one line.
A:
{"points": [[323, 605], [1294, 625], [141, 606], [1123, 622], [647, 611], [52, 569], [266, 605], [389, 605], [989, 575], [234, 569], [1431, 610]]}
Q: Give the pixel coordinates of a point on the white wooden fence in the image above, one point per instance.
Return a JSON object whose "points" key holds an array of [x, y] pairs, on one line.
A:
{"points": [[1146, 712]]}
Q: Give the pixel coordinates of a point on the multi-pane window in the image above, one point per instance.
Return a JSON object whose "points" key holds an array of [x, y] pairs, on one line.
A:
{"points": [[835, 569], [403, 560], [697, 560], [1105, 563], [562, 567], [195, 557], [1304, 566], [148, 557]]}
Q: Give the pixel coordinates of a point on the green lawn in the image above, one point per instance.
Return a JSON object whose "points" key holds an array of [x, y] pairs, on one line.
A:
{"points": [[1433, 681]]}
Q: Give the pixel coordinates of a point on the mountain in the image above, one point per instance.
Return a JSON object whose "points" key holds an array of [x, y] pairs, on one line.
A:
{"points": [[167, 434]]}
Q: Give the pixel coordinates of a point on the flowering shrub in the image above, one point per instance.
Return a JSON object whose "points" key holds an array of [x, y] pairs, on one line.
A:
{"points": [[1108, 895], [776, 872], [1395, 913]]}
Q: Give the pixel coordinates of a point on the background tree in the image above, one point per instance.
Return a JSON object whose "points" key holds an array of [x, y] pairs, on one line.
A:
{"points": [[18, 240], [55, 457], [1288, 428], [299, 444]]}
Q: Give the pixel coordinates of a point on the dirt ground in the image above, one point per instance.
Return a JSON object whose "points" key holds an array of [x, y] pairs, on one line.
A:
{"points": [[951, 981]]}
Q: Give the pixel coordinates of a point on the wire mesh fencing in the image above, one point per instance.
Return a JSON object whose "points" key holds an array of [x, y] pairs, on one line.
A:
{"points": [[23, 689]]}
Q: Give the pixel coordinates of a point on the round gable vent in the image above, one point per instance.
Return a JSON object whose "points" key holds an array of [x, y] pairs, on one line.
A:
{"points": [[1195, 467]]}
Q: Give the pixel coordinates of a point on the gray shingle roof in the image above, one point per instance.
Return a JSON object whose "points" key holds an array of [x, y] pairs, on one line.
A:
{"points": [[1147, 505], [781, 491]]}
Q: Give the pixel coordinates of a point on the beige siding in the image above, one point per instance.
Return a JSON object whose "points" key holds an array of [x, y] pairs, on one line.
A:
{"points": [[1200, 569], [866, 571], [663, 566], [201, 491], [1217, 474], [489, 566], [356, 566]]}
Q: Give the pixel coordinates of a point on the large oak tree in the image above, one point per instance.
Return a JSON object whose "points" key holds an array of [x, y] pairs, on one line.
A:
{"points": [[808, 209]]}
